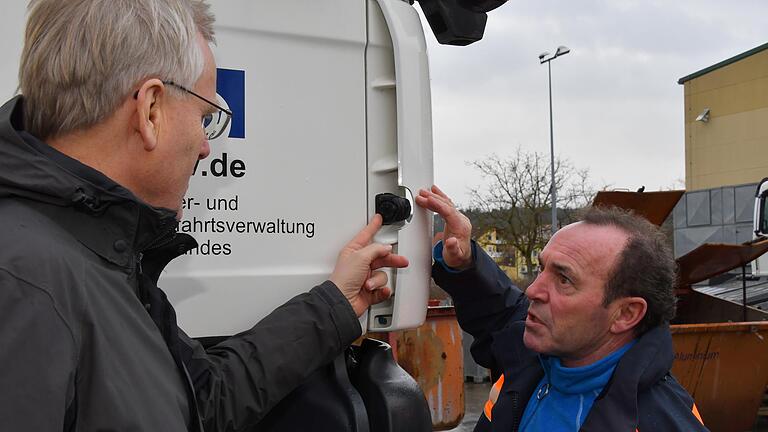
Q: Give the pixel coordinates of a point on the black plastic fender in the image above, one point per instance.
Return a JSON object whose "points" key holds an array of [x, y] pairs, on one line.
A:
{"points": [[326, 402], [363, 390], [394, 400]]}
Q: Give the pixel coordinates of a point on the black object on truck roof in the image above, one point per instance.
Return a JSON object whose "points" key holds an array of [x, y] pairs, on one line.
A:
{"points": [[458, 22]]}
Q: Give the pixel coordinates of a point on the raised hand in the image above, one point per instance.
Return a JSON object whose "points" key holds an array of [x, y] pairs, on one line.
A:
{"points": [[356, 273], [457, 250]]}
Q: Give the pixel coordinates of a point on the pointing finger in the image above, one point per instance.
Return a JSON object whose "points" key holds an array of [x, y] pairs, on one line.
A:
{"points": [[366, 234]]}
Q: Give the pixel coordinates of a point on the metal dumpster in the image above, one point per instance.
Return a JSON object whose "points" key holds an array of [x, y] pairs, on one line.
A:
{"points": [[725, 368], [723, 365]]}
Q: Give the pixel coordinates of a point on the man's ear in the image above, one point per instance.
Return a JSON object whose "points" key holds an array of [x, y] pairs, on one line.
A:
{"points": [[150, 111], [628, 314]]}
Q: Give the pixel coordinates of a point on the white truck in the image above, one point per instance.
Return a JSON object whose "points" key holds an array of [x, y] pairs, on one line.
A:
{"points": [[332, 123], [760, 221], [332, 114]]}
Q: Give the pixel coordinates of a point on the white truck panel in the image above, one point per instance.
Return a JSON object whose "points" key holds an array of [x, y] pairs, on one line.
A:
{"points": [[12, 34], [332, 107], [400, 31], [304, 152]]}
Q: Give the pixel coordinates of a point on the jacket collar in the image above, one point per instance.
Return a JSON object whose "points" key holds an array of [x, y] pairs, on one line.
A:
{"points": [[644, 365], [522, 371], [103, 215], [582, 379]]}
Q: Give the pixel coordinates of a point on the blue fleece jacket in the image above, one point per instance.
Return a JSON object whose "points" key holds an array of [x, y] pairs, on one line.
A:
{"points": [[565, 395]]}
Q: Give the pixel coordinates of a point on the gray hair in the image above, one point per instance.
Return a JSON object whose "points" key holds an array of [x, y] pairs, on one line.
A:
{"points": [[82, 58]]}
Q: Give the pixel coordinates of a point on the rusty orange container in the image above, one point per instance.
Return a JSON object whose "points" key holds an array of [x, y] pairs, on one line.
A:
{"points": [[724, 366], [432, 354]]}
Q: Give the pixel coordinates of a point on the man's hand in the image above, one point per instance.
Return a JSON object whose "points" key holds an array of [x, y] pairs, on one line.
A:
{"points": [[356, 273], [457, 250]]}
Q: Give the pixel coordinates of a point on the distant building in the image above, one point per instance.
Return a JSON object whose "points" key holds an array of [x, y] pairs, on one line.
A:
{"points": [[498, 249], [726, 122], [514, 266], [495, 247], [726, 150]]}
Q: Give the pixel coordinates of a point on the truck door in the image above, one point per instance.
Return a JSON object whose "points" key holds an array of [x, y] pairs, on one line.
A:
{"points": [[320, 128]]}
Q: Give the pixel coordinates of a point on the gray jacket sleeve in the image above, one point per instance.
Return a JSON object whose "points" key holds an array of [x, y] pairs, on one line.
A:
{"points": [[37, 359], [239, 380]]}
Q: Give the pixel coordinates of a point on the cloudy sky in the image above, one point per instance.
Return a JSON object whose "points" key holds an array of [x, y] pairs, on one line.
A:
{"points": [[618, 109]]}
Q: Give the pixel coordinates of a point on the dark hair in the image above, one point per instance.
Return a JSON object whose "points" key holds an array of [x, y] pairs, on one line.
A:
{"points": [[645, 268]]}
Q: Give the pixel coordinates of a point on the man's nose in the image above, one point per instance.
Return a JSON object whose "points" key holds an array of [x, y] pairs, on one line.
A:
{"points": [[205, 150], [537, 290]]}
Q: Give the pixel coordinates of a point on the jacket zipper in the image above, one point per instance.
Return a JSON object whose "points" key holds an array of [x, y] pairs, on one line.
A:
{"points": [[139, 257], [515, 414], [162, 240], [159, 241]]}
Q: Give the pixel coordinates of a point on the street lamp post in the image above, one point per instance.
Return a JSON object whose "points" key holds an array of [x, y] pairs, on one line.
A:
{"points": [[545, 57]]}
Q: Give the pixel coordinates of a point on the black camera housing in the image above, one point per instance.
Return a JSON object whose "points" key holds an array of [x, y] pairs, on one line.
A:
{"points": [[392, 208], [458, 22]]}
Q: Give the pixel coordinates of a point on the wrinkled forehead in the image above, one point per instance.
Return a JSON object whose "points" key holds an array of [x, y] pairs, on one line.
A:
{"points": [[586, 248]]}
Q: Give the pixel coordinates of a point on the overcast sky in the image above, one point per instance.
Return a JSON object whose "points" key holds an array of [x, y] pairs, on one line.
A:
{"points": [[618, 109]]}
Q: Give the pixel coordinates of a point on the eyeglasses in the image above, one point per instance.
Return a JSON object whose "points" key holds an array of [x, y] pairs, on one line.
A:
{"points": [[214, 124]]}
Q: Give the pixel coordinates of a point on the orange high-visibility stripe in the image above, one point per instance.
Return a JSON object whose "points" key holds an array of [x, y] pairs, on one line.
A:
{"points": [[493, 395], [695, 411], [488, 409]]}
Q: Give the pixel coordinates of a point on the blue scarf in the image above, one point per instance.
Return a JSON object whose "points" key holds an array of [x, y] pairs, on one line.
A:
{"points": [[563, 398]]}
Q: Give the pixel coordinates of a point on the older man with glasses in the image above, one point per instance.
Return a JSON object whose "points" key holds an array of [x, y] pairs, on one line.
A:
{"points": [[95, 157]]}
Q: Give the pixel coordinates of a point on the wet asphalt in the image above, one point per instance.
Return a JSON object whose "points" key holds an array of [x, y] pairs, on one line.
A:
{"points": [[475, 396]]}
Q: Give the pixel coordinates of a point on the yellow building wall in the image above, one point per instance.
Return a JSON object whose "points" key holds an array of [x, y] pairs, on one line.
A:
{"points": [[732, 148], [516, 269], [491, 242]]}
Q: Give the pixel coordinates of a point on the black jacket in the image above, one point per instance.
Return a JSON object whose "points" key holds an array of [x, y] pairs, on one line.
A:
{"points": [[642, 394], [88, 342]]}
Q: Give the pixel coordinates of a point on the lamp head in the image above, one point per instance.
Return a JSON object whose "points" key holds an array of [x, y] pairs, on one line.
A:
{"points": [[562, 50], [543, 56]]}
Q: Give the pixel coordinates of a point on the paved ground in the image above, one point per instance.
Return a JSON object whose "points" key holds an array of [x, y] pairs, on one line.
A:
{"points": [[475, 396]]}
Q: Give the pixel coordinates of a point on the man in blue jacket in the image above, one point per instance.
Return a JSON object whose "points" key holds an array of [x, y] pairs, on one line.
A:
{"points": [[587, 347]]}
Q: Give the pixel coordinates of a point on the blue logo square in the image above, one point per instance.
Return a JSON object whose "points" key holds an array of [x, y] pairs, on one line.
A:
{"points": [[230, 85]]}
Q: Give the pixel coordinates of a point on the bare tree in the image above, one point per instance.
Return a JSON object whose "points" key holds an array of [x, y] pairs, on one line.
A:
{"points": [[516, 199]]}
